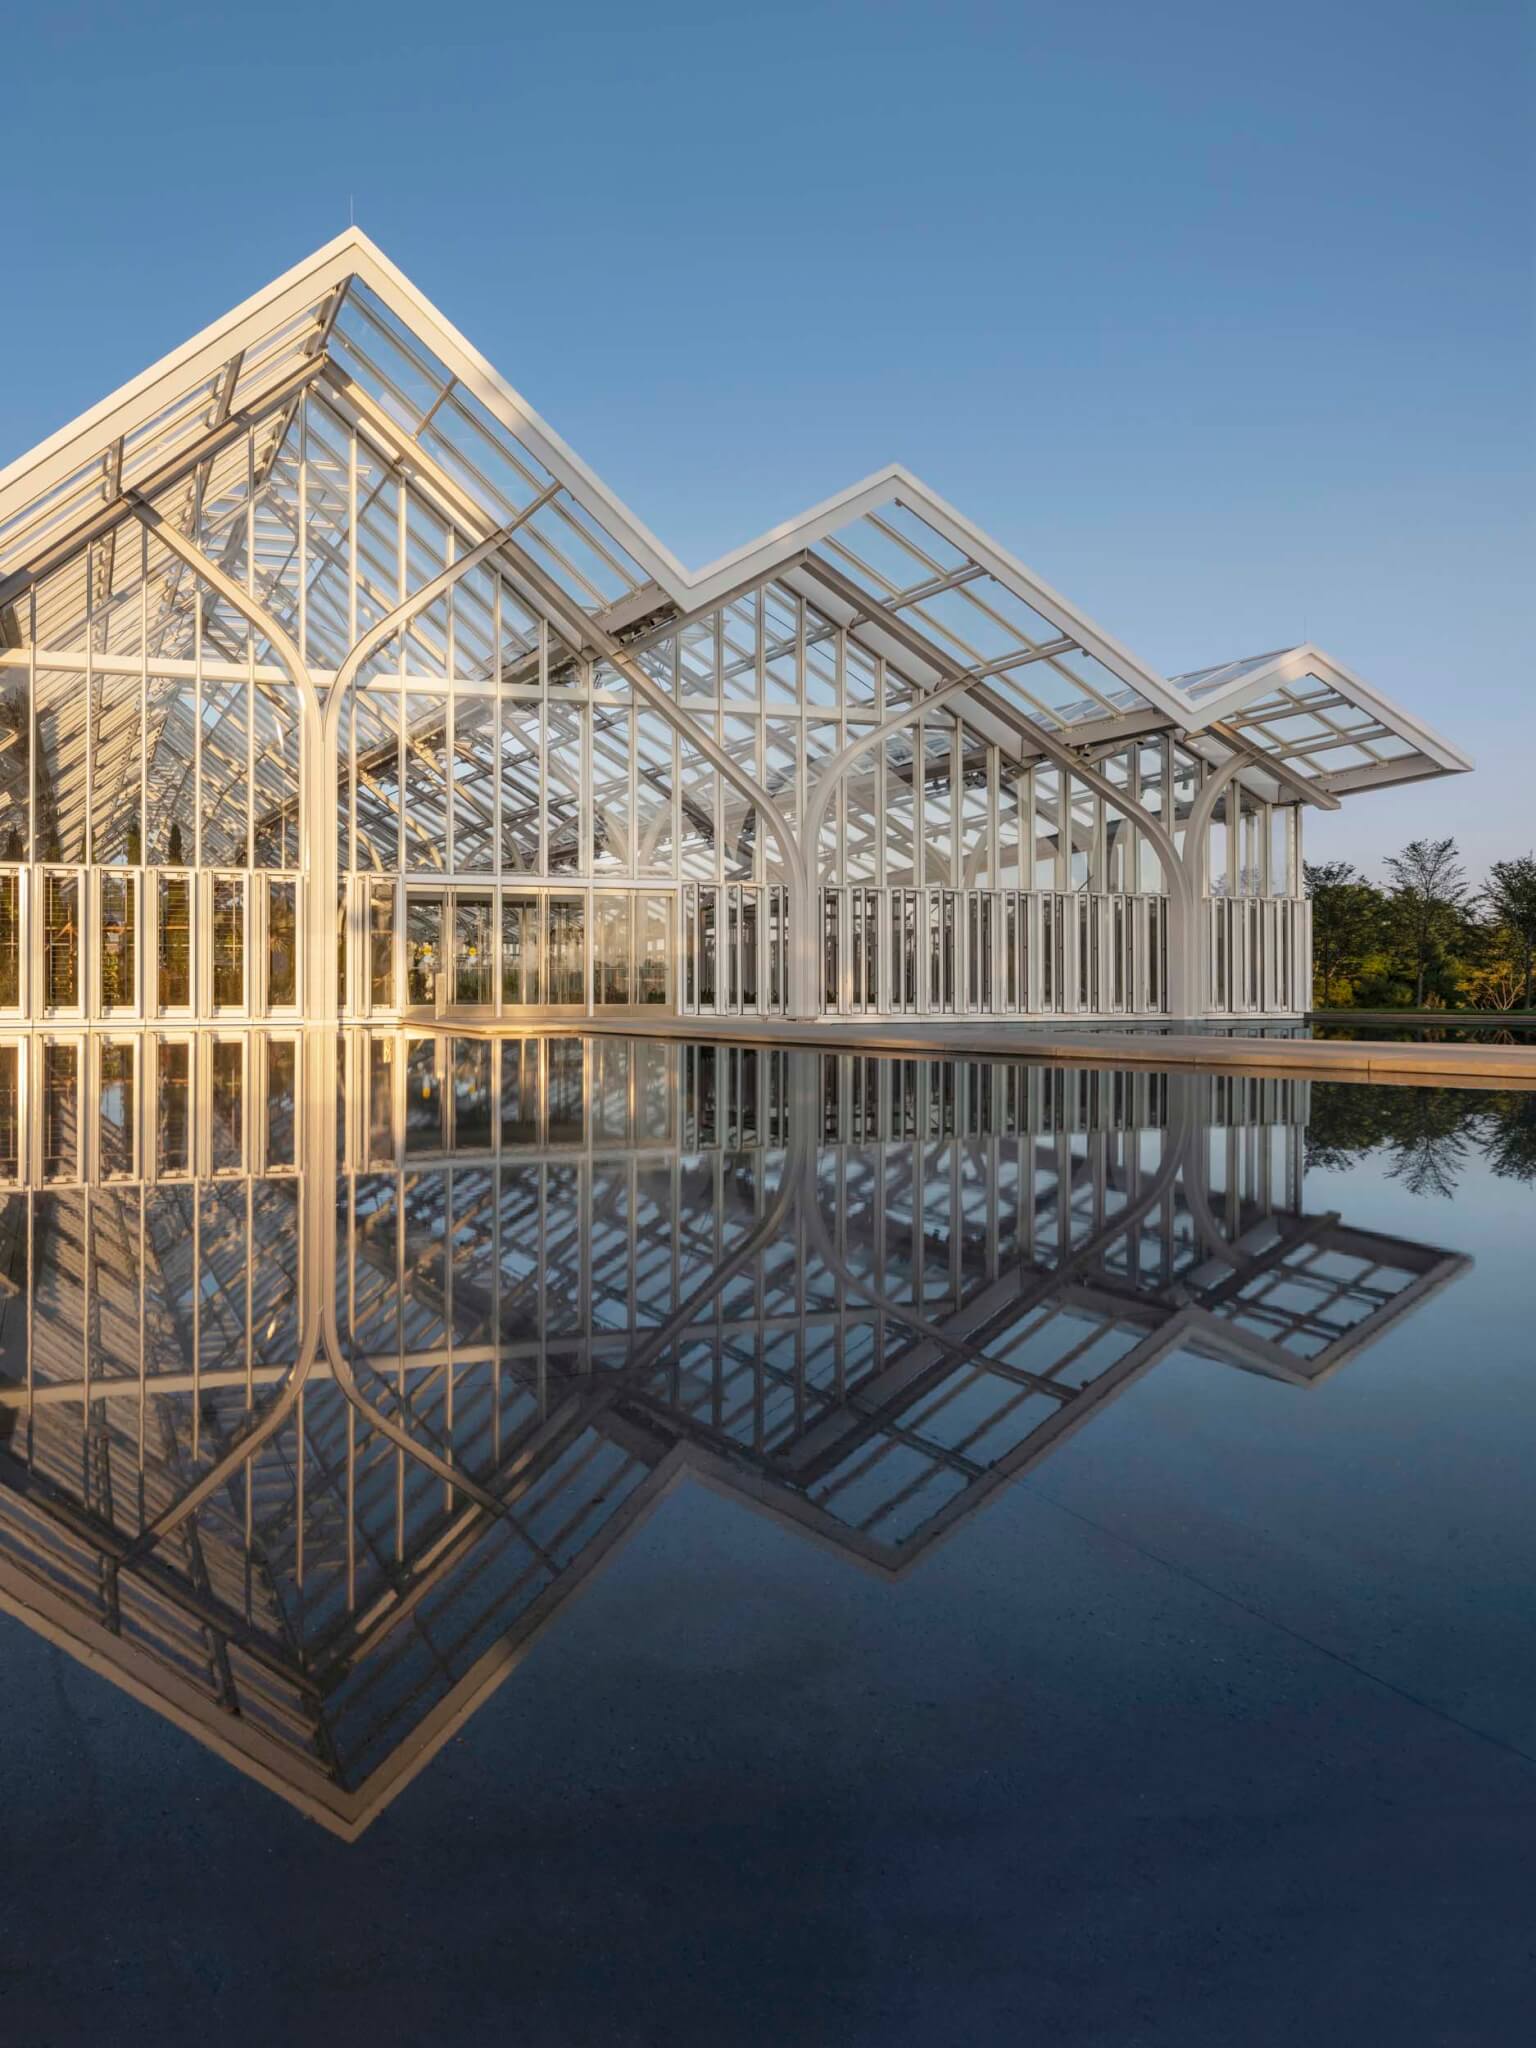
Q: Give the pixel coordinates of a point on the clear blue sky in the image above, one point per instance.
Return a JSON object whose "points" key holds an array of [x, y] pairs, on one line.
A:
{"points": [[1220, 317]]}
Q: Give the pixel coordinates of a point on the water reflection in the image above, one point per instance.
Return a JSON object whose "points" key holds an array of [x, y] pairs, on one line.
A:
{"points": [[330, 1365]]}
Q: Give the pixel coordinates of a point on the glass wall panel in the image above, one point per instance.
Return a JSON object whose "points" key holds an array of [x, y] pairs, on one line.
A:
{"points": [[472, 1097], [427, 554], [653, 950], [612, 747], [61, 941], [15, 763], [782, 779], [655, 747], [938, 820], [1152, 785], [474, 953], [10, 939], [227, 1101], [423, 949], [426, 782], [566, 962], [174, 942], [522, 747], [381, 945], [170, 787], [227, 938], [739, 646], [474, 785], [282, 943], [118, 902], [1083, 869], [973, 825], [282, 1103], [522, 921], [173, 1129], [563, 786], [1046, 831], [225, 769], [117, 832], [863, 816], [611, 958], [900, 811], [376, 775], [10, 1112], [60, 765], [61, 1112], [117, 1148], [275, 790]]}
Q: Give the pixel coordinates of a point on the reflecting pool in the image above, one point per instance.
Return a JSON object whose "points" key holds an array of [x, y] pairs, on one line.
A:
{"points": [[1010, 1477]]}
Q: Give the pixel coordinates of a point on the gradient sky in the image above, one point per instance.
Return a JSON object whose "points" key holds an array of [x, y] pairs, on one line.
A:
{"points": [[1220, 318]]}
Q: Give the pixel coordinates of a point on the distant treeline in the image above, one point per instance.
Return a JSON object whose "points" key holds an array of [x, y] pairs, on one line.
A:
{"points": [[1425, 939]]}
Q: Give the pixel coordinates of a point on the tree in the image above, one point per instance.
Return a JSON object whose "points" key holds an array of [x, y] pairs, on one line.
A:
{"points": [[1510, 897], [1429, 891], [1346, 920]]}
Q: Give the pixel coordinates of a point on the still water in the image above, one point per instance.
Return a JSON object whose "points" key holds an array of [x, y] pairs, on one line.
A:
{"points": [[1055, 1544]]}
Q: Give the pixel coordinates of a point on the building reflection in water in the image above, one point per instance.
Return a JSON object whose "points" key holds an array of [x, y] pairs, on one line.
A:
{"points": [[330, 1365]]}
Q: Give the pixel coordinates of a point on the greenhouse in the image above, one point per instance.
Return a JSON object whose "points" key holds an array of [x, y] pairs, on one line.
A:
{"points": [[334, 684]]}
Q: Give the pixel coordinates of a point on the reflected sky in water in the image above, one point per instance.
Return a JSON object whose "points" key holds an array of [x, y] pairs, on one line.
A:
{"points": [[948, 1395]]}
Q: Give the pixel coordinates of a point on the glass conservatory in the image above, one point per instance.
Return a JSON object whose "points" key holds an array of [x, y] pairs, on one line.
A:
{"points": [[333, 684]]}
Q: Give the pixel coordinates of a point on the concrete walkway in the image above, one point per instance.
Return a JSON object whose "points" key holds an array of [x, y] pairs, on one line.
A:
{"points": [[1415, 1065]]}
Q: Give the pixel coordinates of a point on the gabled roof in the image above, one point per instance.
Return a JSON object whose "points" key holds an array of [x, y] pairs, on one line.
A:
{"points": [[348, 314]]}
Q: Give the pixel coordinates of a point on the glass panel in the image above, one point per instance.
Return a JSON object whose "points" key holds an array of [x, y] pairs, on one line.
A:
{"points": [[118, 903], [175, 942], [938, 803], [282, 1102], [376, 755], [61, 941], [698, 790], [225, 739], [282, 943], [61, 1112], [275, 793], [562, 770], [10, 1112], [60, 765], [654, 746], [15, 762], [473, 950], [228, 935], [10, 941], [1046, 806], [900, 811], [567, 950], [519, 1091], [426, 782], [173, 1148], [226, 1125], [521, 923], [170, 740], [611, 952], [381, 946], [423, 1097], [653, 950], [116, 1134], [423, 949], [116, 777], [611, 750], [521, 751], [474, 785], [472, 1092]]}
